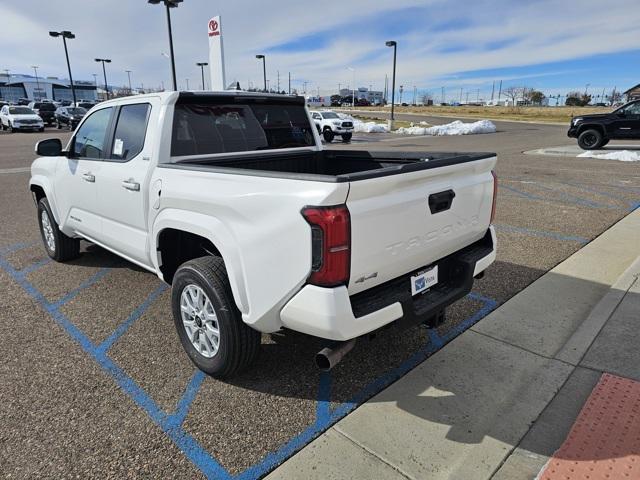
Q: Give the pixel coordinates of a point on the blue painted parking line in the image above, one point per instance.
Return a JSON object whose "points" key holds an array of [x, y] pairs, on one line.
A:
{"points": [[184, 404], [185, 442], [566, 198], [15, 247], [541, 233], [35, 266], [84, 285], [135, 315], [172, 425], [573, 198]]}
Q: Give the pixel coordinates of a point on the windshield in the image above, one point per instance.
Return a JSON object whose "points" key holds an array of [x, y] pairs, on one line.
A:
{"points": [[330, 115], [21, 111], [201, 128], [630, 109], [76, 111]]}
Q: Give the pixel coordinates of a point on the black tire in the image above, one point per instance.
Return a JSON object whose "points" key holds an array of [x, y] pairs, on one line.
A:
{"points": [[10, 127], [590, 139], [41, 129], [64, 248], [604, 142], [58, 125], [346, 137], [238, 343], [328, 135]]}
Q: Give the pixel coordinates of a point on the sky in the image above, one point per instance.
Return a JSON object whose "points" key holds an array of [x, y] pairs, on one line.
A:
{"points": [[464, 46]]}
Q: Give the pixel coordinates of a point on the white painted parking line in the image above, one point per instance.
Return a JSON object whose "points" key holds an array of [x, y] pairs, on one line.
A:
{"points": [[15, 170]]}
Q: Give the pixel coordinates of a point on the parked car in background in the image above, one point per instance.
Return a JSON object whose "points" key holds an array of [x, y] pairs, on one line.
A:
{"points": [[329, 125], [46, 111], [20, 118], [69, 117], [86, 105], [594, 131], [362, 102], [346, 102], [23, 101]]}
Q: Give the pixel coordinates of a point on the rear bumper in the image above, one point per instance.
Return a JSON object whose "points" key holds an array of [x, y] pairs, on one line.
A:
{"points": [[332, 314]]}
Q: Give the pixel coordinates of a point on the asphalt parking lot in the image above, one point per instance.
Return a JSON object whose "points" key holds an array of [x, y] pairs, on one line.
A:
{"points": [[93, 379]]}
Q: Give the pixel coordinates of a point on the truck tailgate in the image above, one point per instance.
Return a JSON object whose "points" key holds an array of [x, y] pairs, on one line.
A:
{"points": [[393, 229]]}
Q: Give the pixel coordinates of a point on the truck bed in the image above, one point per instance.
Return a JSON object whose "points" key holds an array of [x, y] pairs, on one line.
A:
{"points": [[329, 165]]}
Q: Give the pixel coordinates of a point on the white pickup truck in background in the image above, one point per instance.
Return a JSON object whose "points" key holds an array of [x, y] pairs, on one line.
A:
{"points": [[330, 125], [230, 198]]}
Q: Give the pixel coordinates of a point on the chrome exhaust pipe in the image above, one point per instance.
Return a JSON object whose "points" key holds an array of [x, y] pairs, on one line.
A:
{"points": [[329, 357]]}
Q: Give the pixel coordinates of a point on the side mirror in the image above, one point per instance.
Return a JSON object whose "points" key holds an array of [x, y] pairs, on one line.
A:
{"points": [[621, 114], [51, 147]]}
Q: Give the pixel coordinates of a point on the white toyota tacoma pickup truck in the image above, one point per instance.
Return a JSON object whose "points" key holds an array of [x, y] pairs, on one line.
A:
{"points": [[230, 198], [330, 125]]}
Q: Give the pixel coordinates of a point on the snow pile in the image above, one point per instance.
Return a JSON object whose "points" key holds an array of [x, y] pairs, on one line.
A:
{"points": [[368, 127], [453, 128], [621, 155]]}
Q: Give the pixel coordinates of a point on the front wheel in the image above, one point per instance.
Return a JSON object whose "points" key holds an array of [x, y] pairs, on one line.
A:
{"points": [[590, 139], [57, 244], [346, 137], [10, 128], [328, 135], [208, 322]]}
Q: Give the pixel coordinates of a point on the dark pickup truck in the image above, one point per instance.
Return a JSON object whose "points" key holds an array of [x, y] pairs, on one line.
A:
{"points": [[595, 130]]}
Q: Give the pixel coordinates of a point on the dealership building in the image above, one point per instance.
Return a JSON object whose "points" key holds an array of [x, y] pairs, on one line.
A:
{"points": [[14, 87], [372, 96]]}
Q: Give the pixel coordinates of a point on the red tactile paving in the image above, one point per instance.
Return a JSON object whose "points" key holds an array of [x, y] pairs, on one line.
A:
{"points": [[604, 442]]}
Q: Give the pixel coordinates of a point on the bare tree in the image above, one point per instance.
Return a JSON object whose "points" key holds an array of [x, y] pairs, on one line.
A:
{"points": [[513, 94]]}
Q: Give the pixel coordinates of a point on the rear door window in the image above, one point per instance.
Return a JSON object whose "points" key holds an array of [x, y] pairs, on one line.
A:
{"points": [[130, 132]]}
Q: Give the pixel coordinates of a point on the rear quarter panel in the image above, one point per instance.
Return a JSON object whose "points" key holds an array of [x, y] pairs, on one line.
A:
{"points": [[256, 224]]}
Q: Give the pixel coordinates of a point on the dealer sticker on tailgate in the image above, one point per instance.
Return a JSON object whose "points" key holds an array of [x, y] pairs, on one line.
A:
{"points": [[424, 280]]}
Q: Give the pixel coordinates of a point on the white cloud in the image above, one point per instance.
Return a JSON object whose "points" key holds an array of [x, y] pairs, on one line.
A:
{"points": [[133, 34]]}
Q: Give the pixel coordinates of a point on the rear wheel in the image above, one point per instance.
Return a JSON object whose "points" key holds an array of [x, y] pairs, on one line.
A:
{"points": [[590, 139], [57, 244], [328, 135], [208, 322]]}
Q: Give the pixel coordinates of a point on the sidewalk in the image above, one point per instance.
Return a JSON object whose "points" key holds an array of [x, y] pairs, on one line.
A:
{"points": [[500, 399]]}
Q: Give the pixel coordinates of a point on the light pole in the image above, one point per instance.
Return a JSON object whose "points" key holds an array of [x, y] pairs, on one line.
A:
{"points": [[104, 72], [353, 88], [169, 4], [67, 34], [264, 70], [129, 77], [394, 44], [35, 69], [202, 65]]}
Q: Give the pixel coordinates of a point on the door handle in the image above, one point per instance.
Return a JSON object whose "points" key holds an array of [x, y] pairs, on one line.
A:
{"points": [[89, 177], [131, 185]]}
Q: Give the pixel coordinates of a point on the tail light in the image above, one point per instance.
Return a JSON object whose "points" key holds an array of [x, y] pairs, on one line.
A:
{"points": [[330, 244], [495, 195]]}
